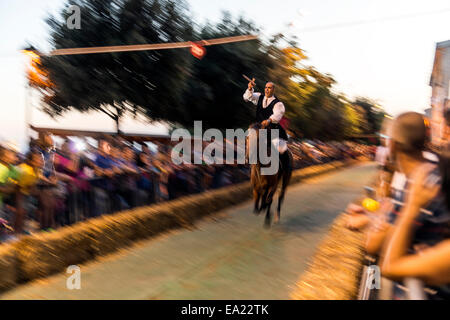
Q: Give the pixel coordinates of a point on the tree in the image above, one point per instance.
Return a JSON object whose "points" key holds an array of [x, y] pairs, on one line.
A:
{"points": [[150, 83], [372, 113], [173, 86], [216, 85], [314, 110]]}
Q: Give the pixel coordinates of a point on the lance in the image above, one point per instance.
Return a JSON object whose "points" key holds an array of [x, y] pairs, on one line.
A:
{"points": [[249, 80]]}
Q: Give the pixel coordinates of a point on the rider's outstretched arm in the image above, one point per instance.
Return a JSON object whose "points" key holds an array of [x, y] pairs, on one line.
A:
{"points": [[250, 95]]}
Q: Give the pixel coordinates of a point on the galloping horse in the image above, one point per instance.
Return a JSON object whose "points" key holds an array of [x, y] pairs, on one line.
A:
{"points": [[265, 186]]}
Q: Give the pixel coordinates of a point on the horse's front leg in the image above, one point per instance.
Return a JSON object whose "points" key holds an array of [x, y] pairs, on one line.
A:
{"points": [[264, 199], [256, 198]]}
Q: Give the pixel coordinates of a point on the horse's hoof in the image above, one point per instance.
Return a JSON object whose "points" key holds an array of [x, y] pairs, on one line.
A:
{"points": [[276, 220], [267, 223], [256, 212]]}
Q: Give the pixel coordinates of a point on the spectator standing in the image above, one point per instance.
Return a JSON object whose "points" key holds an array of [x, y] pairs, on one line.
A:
{"points": [[104, 171], [47, 186]]}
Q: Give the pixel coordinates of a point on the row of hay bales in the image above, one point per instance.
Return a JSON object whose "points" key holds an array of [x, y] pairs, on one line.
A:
{"points": [[334, 272], [43, 254]]}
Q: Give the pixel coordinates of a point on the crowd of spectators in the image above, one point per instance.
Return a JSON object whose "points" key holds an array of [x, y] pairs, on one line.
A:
{"points": [[50, 186], [408, 232]]}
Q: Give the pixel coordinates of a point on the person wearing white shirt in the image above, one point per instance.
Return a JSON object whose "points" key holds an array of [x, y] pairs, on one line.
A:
{"points": [[269, 111]]}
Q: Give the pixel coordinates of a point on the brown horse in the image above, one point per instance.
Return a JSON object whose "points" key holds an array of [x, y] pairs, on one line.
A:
{"points": [[265, 186]]}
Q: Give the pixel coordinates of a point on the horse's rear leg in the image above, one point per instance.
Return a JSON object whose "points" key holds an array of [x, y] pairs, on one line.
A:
{"points": [[284, 184], [267, 220], [280, 201], [264, 200]]}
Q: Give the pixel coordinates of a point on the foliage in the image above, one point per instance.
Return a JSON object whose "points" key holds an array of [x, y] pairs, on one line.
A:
{"points": [[173, 86], [150, 83]]}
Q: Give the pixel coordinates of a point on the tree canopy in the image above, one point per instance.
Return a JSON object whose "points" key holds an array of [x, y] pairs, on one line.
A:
{"points": [[173, 86], [151, 83]]}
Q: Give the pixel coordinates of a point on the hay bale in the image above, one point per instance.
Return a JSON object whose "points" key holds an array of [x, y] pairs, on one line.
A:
{"points": [[110, 233], [43, 254], [334, 271], [315, 170], [8, 268]]}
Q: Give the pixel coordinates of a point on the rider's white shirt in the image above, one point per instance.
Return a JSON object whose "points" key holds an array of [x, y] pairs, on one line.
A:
{"points": [[278, 112], [278, 108]]}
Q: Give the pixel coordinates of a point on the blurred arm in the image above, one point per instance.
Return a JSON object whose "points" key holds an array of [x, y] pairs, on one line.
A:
{"points": [[130, 169], [250, 95], [432, 264], [376, 238], [379, 229]]}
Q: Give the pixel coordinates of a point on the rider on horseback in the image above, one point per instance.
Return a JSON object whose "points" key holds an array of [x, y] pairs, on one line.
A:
{"points": [[269, 111]]}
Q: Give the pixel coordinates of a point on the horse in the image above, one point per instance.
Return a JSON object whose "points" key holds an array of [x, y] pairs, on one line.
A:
{"points": [[265, 186]]}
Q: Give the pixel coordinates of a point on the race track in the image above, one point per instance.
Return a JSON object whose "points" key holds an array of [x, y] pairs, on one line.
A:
{"points": [[228, 255]]}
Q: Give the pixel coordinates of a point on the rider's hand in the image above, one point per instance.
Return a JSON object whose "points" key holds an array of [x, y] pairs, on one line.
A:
{"points": [[265, 123], [251, 84]]}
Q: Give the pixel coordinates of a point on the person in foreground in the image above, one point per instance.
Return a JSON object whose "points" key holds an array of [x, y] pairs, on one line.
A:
{"points": [[432, 263]]}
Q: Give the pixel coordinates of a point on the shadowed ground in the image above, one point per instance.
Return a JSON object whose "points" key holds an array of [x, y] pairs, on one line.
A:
{"points": [[227, 256]]}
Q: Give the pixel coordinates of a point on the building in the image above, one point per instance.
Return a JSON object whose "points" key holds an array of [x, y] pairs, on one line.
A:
{"points": [[440, 85]]}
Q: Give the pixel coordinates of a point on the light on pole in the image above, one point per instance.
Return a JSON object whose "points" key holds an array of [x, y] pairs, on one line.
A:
{"points": [[37, 76], [30, 56]]}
